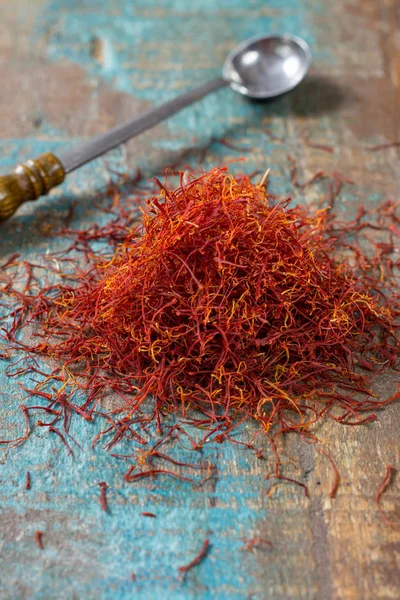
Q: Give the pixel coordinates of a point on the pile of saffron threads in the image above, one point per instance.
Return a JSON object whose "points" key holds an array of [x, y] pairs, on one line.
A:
{"points": [[222, 305]]}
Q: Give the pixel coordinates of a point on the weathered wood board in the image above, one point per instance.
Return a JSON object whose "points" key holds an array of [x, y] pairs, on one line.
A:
{"points": [[70, 69]]}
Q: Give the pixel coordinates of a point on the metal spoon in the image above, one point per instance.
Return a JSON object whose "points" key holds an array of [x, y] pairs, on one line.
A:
{"points": [[260, 68]]}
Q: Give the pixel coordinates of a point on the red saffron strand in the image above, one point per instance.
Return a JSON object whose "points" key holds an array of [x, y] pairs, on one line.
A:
{"points": [[129, 477], [251, 543], [103, 496], [28, 481], [39, 539], [390, 470], [148, 514], [272, 136], [293, 170], [62, 437], [317, 177], [383, 146], [230, 145], [368, 419], [200, 556], [323, 147], [290, 480]]}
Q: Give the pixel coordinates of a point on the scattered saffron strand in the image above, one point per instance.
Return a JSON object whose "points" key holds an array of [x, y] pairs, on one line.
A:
{"points": [[133, 576], [322, 147], [336, 183], [336, 479], [39, 539], [272, 136], [293, 170], [368, 419], [383, 146], [103, 496], [317, 177], [230, 145], [201, 555], [390, 470], [21, 439], [251, 543], [129, 477], [148, 514], [62, 437], [10, 261], [28, 481], [290, 480]]}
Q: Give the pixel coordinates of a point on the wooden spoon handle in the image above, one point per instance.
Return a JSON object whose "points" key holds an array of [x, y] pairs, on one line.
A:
{"points": [[29, 181]]}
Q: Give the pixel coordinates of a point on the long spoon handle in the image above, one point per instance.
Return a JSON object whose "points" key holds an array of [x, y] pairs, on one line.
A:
{"points": [[37, 177]]}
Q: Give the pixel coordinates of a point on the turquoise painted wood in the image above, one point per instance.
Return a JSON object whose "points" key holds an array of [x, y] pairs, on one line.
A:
{"points": [[71, 69]]}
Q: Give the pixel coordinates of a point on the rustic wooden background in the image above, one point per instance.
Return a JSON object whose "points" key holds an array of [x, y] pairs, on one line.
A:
{"points": [[73, 68]]}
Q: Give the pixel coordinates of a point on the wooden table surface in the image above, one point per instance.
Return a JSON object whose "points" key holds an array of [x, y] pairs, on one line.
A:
{"points": [[70, 69]]}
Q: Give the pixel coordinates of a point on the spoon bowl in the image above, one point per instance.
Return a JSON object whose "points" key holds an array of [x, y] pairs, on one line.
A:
{"points": [[265, 67]]}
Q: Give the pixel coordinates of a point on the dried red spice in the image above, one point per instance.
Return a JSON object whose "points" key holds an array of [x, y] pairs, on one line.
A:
{"points": [[39, 539], [130, 477], [290, 480], [200, 556], [28, 481], [149, 514], [230, 145], [390, 470], [255, 542], [272, 136], [323, 147], [378, 147], [103, 498], [221, 305]]}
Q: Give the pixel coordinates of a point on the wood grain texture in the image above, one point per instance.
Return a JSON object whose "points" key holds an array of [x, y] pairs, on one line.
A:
{"points": [[73, 69]]}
